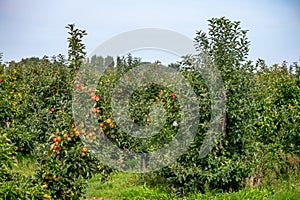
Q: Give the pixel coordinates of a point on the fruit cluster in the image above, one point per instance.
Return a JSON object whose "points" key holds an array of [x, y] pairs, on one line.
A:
{"points": [[67, 137]]}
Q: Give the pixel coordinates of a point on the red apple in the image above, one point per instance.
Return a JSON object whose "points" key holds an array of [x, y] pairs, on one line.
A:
{"points": [[95, 110], [56, 147], [173, 95]]}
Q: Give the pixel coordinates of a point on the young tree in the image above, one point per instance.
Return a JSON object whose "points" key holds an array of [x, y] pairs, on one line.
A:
{"points": [[226, 44], [227, 47], [1, 65]]}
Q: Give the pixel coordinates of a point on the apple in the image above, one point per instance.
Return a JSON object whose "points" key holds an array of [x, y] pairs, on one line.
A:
{"points": [[56, 147], [173, 95], [108, 120], [95, 98], [77, 133], [82, 86], [84, 149], [95, 110], [77, 87], [111, 125], [90, 90], [57, 139], [47, 196]]}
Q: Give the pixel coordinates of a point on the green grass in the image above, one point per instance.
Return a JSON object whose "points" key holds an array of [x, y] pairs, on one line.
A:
{"points": [[130, 186], [26, 165], [250, 194], [123, 186]]}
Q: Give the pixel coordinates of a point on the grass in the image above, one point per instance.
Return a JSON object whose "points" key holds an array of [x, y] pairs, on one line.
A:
{"points": [[123, 186], [250, 194], [26, 165]]}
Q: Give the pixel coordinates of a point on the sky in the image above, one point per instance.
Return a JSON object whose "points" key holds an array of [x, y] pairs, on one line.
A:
{"points": [[34, 28]]}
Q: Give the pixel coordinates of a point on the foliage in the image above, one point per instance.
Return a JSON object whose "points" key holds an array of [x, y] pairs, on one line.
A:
{"points": [[20, 187], [7, 152], [66, 163], [33, 95], [228, 163], [140, 104], [14, 185], [277, 96], [257, 145], [260, 131], [276, 130], [36, 108], [76, 47], [236, 155]]}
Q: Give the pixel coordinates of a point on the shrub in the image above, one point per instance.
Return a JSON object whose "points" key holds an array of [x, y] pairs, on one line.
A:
{"points": [[14, 185]]}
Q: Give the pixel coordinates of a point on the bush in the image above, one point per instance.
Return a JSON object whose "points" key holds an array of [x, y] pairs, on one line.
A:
{"points": [[14, 185], [33, 96]]}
